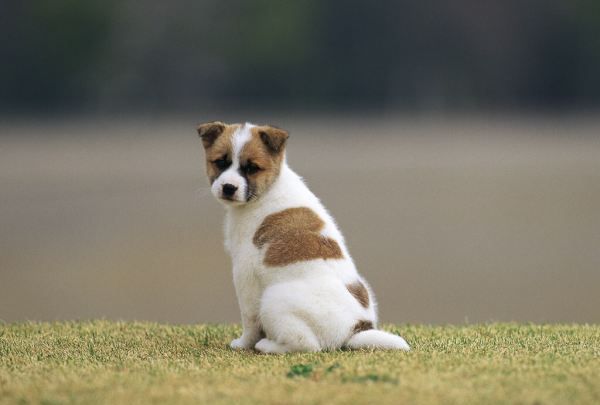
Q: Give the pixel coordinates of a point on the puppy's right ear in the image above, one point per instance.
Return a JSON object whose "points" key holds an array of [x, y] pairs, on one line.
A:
{"points": [[209, 132]]}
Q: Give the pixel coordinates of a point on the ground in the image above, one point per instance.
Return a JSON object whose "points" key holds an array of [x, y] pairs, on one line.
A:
{"points": [[140, 363]]}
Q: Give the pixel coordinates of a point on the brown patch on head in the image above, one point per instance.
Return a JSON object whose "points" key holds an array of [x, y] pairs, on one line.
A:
{"points": [[261, 158], [274, 138], [210, 131], [360, 292], [362, 326], [217, 140], [293, 236]]}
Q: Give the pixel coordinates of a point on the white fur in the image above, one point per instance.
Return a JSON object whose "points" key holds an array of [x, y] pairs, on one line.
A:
{"points": [[302, 307]]}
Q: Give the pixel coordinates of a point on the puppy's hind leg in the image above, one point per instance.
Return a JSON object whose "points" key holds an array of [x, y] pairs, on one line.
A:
{"points": [[288, 335], [286, 320], [269, 346]]}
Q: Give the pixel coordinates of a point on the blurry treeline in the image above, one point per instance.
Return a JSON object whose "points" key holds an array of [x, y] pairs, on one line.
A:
{"points": [[103, 55]]}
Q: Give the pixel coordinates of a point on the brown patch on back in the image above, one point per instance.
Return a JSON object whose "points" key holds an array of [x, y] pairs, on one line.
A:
{"points": [[362, 326], [293, 236], [360, 292]]}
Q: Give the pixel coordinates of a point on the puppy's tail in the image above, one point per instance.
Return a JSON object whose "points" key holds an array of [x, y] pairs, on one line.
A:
{"points": [[377, 339]]}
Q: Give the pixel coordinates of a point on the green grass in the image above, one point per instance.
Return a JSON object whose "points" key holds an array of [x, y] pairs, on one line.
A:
{"points": [[141, 363]]}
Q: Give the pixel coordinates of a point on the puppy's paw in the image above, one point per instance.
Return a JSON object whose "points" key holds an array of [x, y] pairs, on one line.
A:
{"points": [[240, 344], [268, 346]]}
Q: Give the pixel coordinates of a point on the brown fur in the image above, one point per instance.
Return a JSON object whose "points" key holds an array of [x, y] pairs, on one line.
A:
{"points": [[293, 236], [216, 146], [362, 326], [261, 154], [264, 149], [360, 292], [274, 138], [210, 131]]}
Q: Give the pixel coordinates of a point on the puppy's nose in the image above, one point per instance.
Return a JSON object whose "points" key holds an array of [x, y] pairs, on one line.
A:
{"points": [[229, 190]]}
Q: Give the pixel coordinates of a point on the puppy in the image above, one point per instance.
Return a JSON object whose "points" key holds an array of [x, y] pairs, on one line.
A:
{"points": [[297, 286]]}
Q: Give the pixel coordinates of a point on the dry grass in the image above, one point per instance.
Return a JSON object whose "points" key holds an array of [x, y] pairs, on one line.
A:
{"points": [[140, 363]]}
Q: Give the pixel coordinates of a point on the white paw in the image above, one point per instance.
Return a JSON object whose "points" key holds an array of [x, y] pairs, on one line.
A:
{"points": [[240, 344], [268, 346]]}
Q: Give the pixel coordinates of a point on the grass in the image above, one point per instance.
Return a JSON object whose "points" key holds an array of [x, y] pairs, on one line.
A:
{"points": [[141, 363]]}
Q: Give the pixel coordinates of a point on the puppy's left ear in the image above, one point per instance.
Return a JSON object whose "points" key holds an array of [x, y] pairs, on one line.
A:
{"points": [[210, 131], [274, 138]]}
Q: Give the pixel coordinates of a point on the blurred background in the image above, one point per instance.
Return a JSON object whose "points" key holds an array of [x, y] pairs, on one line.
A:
{"points": [[456, 143]]}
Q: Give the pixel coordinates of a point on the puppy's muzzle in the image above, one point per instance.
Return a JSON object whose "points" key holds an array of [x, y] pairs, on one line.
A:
{"points": [[228, 191]]}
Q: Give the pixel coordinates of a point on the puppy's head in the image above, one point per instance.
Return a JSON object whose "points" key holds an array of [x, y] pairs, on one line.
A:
{"points": [[242, 161]]}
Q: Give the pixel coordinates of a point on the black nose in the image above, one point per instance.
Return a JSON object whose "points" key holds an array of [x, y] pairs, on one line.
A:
{"points": [[229, 190]]}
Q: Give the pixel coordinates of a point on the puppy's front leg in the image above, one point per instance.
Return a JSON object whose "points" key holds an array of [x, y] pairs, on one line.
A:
{"points": [[248, 292]]}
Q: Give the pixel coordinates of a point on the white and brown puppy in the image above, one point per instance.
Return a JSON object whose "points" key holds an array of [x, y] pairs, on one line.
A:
{"points": [[297, 286]]}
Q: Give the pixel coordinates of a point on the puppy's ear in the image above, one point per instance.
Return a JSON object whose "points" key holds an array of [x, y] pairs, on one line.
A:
{"points": [[274, 138], [210, 131]]}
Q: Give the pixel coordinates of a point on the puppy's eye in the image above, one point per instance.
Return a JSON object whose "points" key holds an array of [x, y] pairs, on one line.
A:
{"points": [[222, 163], [250, 168]]}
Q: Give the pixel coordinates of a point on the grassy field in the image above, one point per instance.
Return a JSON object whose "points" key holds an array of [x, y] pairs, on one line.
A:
{"points": [[140, 363]]}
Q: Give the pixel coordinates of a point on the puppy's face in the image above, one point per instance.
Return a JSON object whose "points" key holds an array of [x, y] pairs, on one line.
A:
{"points": [[242, 161]]}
